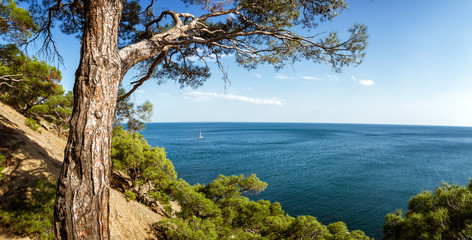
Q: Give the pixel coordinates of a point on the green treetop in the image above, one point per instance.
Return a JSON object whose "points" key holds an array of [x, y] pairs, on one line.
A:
{"points": [[147, 166], [135, 116], [16, 24], [445, 213], [219, 211], [25, 82], [57, 109]]}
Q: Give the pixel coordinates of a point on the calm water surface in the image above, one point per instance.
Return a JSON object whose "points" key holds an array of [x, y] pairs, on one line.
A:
{"points": [[335, 172]]}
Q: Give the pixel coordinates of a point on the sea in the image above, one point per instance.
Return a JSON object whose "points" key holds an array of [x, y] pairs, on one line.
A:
{"points": [[353, 173]]}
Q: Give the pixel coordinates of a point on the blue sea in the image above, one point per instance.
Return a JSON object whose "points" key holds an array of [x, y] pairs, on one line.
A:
{"points": [[336, 172]]}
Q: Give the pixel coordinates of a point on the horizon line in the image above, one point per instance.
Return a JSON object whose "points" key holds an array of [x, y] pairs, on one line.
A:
{"points": [[346, 123]]}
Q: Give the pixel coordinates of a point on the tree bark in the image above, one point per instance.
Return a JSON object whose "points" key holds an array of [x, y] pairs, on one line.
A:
{"points": [[81, 210], [59, 131]]}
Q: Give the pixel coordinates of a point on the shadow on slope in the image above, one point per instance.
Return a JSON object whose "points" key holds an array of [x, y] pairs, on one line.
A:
{"points": [[26, 161]]}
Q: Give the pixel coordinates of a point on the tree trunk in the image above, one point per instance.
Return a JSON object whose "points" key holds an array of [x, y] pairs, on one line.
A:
{"points": [[81, 210], [59, 130]]}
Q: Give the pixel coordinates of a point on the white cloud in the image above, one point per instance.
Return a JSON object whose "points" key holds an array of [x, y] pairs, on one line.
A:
{"points": [[366, 82], [310, 78], [332, 77], [193, 58], [258, 75], [213, 95], [210, 58], [284, 77], [162, 94]]}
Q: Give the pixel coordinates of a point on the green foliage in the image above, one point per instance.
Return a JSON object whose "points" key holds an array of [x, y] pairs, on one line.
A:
{"points": [[33, 124], [233, 186], [35, 216], [134, 115], [145, 165], [130, 195], [254, 32], [445, 213], [16, 24], [192, 202], [306, 227], [2, 159], [193, 228], [57, 109], [219, 211], [163, 198], [26, 82]]}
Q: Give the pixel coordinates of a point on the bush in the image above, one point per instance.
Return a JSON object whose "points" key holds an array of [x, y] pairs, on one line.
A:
{"points": [[56, 110], [219, 211], [35, 216], [164, 199], [33, 124], [130, 195], [445, 213], [146, 165]]}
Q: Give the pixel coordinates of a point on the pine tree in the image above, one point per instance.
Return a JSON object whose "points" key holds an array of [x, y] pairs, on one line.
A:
{"points": [[118, 35]]}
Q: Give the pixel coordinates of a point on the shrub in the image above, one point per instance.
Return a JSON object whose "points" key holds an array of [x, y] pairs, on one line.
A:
{"points": [[35, 216], [445, 213], [33, 124], [130, 195], [163, 198], [56, 110], [146, 165], [219, 211]]}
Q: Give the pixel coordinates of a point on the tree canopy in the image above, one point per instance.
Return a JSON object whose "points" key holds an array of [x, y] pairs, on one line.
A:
{"points": [[445, 213], [148, 167], [25, 81], [219, 211], [57, 110], [167, 44], [33, 87], [16, 24], [135, 116]]}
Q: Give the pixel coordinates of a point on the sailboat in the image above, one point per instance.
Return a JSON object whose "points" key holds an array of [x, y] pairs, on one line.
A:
{"points": [[201, 137]]}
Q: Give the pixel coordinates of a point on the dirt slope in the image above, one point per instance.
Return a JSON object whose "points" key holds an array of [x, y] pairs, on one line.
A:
{"points": [[32, 155]]}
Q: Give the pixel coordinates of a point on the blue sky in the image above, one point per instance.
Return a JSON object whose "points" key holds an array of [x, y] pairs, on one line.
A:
{"points": [[417, 70]]}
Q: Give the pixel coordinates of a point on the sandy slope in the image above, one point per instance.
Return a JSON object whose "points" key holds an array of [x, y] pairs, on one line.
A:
{"points": [[31, 155]]}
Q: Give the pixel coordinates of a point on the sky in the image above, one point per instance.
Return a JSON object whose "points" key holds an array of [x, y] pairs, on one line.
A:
{"points": [[417, 71]]}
